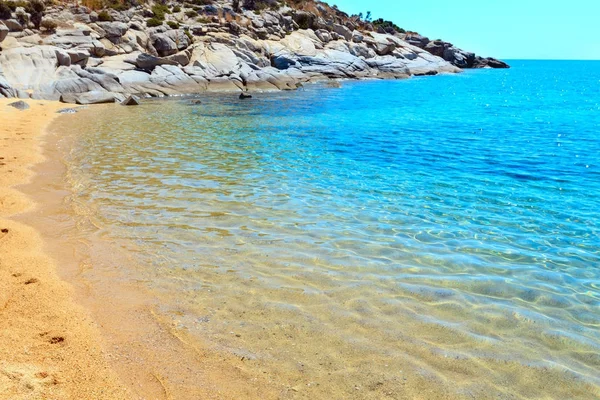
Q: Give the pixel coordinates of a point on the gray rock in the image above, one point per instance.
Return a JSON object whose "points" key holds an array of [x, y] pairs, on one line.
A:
{"points": [[114, 30], [357, 37], [66, 111], [131, 101], [284, 60], [3, 31], [182, 58], [79, 57], [19, 105], [63, 57], [342, 31], [323, 35], [147, 62], [13, 25], [93, 97], [169, 42], [67, 41]]}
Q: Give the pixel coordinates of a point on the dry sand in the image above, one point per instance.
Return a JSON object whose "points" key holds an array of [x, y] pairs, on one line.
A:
{"points": [[49, 345]]}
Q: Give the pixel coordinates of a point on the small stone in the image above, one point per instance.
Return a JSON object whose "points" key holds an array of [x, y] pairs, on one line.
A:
{"points": [[19, 105], [131, 101], [66, 111]]}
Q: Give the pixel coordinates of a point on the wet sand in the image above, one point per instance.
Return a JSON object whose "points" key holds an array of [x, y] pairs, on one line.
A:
{"points": [[151, 357], [50, 348]]}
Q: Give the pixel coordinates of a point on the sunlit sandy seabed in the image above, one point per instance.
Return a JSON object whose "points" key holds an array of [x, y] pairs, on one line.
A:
{"points": [[434, 237]]}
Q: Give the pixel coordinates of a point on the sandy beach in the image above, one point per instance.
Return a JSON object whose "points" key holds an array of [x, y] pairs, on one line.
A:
{"points": [[49, 346]]}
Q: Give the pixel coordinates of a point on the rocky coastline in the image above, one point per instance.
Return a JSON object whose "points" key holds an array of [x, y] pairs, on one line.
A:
{"points": [[78, 54]]}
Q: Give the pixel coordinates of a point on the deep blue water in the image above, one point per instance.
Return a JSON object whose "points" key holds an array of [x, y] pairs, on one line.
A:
{"points": [[470, 202]]}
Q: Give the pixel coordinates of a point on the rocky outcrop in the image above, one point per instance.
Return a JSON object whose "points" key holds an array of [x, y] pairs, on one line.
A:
{"points": [[88, 61], [454, 55]]}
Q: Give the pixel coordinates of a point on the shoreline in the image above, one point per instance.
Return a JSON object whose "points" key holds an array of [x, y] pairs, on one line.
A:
{"points": [[150, 354], [49, 345], [152, 358]]}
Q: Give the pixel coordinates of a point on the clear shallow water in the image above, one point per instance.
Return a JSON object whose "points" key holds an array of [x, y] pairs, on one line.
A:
{"points": [[374, 241]]}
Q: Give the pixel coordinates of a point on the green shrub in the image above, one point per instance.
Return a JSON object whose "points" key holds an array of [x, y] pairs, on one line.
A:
{"points": [[35, 6], [387, 25], [5, 12], [191, 14], [49, 25], [104, 16], [176, 9], [119, 6], [152, 22], [173, 24], [23, 18], [36, 10], [203, 20], [189, 35], [12, 5], [159, 11]]}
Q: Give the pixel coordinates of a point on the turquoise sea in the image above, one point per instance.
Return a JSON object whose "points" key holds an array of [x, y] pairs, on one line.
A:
{"points": [[436, 237]]}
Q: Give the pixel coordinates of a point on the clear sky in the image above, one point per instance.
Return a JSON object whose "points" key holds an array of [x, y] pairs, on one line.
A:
{"points": [[508, 29]]}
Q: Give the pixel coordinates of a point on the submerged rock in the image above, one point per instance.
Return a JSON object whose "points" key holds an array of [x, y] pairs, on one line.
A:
{"points": [[19, 105], [244, 95], [66, 111]]}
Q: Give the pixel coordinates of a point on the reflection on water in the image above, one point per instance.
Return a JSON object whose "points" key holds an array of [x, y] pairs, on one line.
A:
{"points": [[414, 239]]}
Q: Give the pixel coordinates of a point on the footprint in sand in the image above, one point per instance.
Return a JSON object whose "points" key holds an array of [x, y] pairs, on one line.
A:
{"points": [[30, 377], [52, 338]]}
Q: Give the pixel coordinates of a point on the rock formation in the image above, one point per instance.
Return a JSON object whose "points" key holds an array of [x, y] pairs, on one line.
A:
{"points": [[79, 55]]}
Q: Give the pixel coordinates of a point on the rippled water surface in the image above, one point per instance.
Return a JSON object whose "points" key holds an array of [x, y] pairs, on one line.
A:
{"points": [[431, 237]]}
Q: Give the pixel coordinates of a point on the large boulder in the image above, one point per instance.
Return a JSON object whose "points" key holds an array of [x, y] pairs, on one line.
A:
{"points": [[342, 31], [489, 62], [13, 25], [68, 39], [458, 57], [284, 60], [169, 42], [334, 64], [28, 67], [382, 44], [216, 59], [113, 30], [93, 97], [148, 62], [3, 31]]}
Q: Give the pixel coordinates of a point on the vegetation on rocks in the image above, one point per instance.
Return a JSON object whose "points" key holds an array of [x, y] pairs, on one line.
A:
{"points": [[104, 16], [49, 25], [5, 11], [152, 22], [159, 11], [232, 44], [387, 26]]}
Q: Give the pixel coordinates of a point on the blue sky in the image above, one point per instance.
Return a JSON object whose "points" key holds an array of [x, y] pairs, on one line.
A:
{"points": [[509, 29]]}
